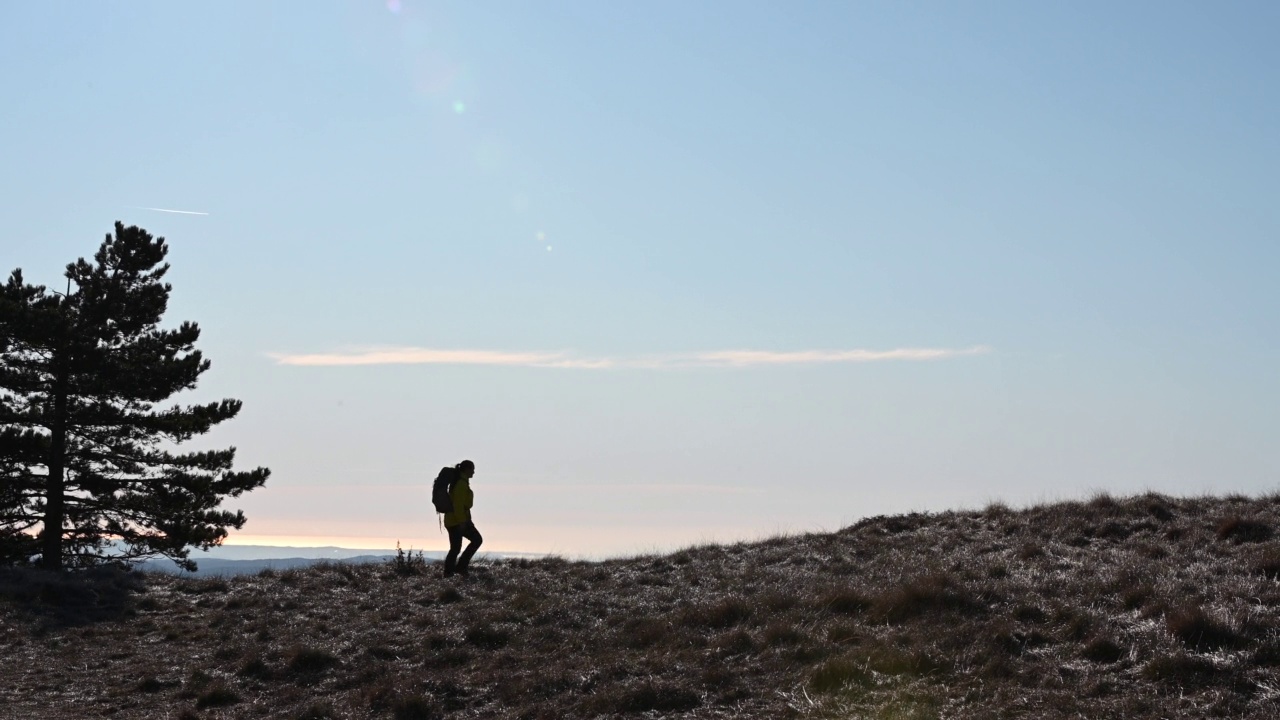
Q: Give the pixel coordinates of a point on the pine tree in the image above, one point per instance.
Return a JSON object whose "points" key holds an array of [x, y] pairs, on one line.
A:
{"points": [[88, 453]]}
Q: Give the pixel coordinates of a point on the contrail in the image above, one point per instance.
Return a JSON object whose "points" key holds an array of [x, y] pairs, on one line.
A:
{"points": [[178, 212]]}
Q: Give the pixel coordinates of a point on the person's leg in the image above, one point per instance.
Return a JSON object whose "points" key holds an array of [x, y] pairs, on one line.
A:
{"points": [[469, 531], [455, 544]]}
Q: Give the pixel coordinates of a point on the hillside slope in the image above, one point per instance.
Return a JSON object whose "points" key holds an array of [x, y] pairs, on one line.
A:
{"points": [[1140, 607]]}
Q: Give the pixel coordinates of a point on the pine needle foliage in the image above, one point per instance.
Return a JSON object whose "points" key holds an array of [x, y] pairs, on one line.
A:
{"points": [[90, 470]]}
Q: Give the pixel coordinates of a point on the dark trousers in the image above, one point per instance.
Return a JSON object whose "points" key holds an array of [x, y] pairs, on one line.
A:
{"points": [[453, 562]]}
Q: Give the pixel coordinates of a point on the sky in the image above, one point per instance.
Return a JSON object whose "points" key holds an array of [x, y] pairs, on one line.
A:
{"points": [[672, 273]]}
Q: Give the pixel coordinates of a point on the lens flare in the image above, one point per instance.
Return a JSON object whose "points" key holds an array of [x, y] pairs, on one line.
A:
{"points": [[459, 107], [394, 6]]}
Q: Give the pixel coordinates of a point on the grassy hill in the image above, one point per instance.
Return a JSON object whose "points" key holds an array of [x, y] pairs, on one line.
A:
{"points": [[1148, 606]]}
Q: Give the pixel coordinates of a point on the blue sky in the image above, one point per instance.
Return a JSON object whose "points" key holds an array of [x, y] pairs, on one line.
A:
{"points": [[679, 272]]}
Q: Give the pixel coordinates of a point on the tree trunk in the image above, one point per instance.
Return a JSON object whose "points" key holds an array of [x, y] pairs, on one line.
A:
{"points": [[55, 483]]}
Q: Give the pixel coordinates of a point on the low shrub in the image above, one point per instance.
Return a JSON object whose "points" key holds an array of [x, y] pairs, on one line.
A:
{"points": [[70, 599], [408, 563]]}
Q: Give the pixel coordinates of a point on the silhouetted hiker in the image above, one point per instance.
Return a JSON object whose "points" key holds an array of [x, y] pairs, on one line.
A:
{"points": [[458, 522]]}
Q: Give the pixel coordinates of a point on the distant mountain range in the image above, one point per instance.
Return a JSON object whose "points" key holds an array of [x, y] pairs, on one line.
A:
{"points": [[214, 566], [252, 559]]}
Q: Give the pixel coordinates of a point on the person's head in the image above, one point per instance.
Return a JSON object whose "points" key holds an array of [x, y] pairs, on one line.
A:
{"points": [[466, 469]]}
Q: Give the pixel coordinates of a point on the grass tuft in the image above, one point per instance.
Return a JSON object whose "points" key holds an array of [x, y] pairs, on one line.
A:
{"points": [[888, 659], [1199, 631], [923, 595], [645, 697], [846, 601], [201, 586], [415, 708], [150, 684], [1181, 670], [488, 636], [1267, 564], [724, 613], [318, 710], [838, 674], [255, 667], [1244, 530], [219, 695], [779, 634], [643, 632], [1102, 650], [310, 660]]}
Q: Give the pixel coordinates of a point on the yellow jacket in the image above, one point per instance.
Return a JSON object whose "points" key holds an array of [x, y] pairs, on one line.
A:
{"points": [[462, 498]]}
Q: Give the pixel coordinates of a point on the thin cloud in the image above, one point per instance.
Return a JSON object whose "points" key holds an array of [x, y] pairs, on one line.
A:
{"points": [[745, 358], [713, 359], [426, 356], [176, 212]]}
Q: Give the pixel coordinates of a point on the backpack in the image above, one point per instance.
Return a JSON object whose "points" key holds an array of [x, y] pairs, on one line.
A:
{"points": [[442, 490]]}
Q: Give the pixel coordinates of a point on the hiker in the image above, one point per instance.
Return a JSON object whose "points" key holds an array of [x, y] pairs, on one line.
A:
{"points": [[458, 521]]}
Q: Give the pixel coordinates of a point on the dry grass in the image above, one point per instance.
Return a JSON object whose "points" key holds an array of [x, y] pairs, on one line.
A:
{"points": [[1148, 606]]}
